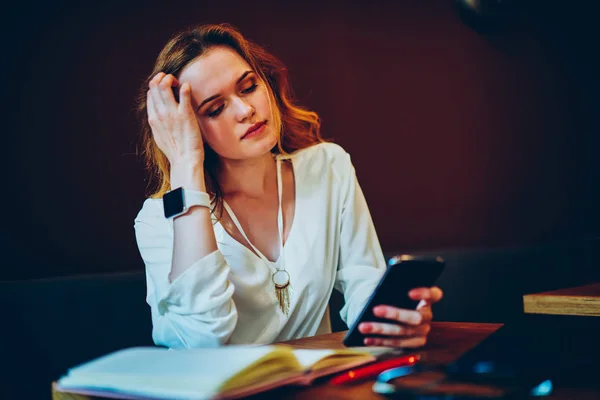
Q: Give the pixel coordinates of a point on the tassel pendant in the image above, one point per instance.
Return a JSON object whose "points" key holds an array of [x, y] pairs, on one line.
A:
{"points": [[283, 290]]}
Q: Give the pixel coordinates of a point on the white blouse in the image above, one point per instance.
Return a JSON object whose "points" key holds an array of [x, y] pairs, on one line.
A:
{"points": [[227, 297]]}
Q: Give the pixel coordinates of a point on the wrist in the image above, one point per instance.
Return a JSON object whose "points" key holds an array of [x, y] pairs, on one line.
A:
{"points": [[180, 201], [189, 175]]}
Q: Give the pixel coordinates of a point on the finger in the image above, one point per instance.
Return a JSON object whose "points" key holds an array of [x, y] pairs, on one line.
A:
{"points": [[166, 92], [379, 328], [151, 110], [410, 317], [426, 314], [404, 343], [185, 101], [430, 295], [159, 109], [162, 94], [156, 79]]}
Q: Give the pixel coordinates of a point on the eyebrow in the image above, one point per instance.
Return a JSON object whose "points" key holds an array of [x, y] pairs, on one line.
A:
{"points": [[241, 78]]}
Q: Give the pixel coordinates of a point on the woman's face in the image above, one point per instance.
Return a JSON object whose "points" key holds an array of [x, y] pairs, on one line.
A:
{"points": [[229, 99]]}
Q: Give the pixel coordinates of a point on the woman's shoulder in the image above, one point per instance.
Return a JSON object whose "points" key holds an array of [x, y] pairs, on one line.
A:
{"points": [[151, 210], [323, 155], [329, 148]]}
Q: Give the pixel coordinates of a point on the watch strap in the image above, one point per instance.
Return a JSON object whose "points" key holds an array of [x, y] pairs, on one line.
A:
{"points": [[195, 198], [178, 201]]}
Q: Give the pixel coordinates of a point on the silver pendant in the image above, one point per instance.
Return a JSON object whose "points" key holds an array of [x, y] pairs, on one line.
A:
{"points": [[281, 279], [283, 290]]}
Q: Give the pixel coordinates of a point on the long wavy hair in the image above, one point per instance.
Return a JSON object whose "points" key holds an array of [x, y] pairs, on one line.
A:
{"points": [[297, 127]]}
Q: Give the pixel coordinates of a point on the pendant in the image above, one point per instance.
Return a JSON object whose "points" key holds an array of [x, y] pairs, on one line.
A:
{"points": [[283, 289]]}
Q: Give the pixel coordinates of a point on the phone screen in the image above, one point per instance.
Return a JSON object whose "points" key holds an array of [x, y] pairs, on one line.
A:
{"points": [[403, 273]]}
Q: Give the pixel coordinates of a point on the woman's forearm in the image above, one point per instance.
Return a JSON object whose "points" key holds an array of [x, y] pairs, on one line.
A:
{"points": [[194, 237]]}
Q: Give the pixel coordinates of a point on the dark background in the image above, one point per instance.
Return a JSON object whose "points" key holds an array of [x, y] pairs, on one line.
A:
{"points": [[461, 137]]}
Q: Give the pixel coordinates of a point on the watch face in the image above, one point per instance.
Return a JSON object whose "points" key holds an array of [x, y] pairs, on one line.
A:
{"points": [[173, 202]]}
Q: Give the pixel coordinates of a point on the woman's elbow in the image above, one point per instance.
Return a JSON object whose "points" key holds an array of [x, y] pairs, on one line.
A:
{"points": [[194, 332]]}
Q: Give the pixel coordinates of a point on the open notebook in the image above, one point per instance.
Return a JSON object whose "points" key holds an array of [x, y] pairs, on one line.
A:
{"points": [[226, 372]]}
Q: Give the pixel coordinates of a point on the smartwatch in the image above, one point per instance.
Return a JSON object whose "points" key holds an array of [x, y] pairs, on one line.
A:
{"points": [[178, 201]]}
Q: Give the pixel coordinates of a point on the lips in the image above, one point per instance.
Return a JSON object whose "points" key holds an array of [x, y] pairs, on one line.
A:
{"points": [[254, 128]]}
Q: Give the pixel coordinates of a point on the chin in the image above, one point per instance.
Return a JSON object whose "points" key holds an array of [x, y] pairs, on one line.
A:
{"points": [[262, 145], [261, 148]]}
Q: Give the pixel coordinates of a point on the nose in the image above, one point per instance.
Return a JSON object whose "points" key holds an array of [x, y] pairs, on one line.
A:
{"points": [[243, 109]]}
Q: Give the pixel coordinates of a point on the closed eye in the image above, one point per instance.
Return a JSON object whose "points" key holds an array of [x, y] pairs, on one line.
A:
{"points": [[250, 89], [215, 112]]}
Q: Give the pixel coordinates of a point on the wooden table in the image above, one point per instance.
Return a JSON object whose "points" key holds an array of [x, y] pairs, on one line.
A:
{"points": [[581, 300], [447, 341]]}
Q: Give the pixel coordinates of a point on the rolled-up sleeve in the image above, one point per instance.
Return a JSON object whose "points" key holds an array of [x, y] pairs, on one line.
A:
{"points": [[361, 262], [196, 309]]}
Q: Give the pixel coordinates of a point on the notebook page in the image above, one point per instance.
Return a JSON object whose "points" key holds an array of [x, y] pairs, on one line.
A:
{"points": [[309, 357], [159, 372]]}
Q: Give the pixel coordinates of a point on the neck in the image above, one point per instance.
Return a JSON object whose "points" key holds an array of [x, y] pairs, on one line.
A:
{"points": [[252, 178]]}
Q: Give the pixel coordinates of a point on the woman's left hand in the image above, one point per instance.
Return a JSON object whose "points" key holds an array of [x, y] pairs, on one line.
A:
{"points": [[407, 328]]}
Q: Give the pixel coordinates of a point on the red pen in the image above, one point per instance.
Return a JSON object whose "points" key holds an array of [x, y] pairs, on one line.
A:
{"points": [[372, 370]]}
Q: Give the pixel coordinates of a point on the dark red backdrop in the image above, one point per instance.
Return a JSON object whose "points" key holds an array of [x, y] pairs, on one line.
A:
{"points": [[459, 139]]}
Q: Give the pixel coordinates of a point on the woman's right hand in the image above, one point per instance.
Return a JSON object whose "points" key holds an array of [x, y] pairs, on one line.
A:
{"points": [[174, 125]]}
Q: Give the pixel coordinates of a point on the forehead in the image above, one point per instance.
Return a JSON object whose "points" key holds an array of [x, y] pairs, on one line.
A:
{"points": [[214, 71]]}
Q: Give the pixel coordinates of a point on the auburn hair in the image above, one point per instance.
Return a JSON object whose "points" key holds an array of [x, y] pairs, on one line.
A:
{"points": [[297, 127]]}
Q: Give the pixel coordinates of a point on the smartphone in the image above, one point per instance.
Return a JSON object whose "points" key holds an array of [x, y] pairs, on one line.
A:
{"points": [[404, 272]]}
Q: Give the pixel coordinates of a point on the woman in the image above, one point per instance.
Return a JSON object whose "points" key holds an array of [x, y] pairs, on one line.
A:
{"points": [[286, 221]]}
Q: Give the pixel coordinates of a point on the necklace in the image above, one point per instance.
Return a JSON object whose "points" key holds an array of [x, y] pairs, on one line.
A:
{"points": [[280, 277]]}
